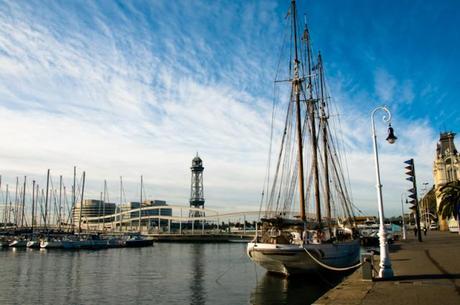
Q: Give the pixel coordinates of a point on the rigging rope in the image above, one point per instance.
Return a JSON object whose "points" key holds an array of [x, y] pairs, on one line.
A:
{"points": [[331, 267]]}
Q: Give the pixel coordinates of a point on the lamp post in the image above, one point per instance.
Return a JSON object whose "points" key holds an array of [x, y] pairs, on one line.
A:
{"points": [[403, 221], [425, 202], [385, 263]]}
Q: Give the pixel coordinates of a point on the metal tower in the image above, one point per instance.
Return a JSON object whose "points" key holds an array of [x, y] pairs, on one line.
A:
{"points": [[196, 193]]}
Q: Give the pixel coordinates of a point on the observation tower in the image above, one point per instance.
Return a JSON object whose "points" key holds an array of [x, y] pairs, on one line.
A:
{"points": [[196, 190]]}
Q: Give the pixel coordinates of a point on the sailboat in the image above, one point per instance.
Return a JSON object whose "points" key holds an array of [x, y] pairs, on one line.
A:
{"points": [[291, 240]]}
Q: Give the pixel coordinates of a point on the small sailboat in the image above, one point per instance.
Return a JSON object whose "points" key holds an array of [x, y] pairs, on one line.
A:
{"points": [[33, 244], [19, 243], [51, 243], [138, 241], [291, 240]]}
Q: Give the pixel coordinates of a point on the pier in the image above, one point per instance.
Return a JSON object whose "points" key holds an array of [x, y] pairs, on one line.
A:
{"points": [[425, 273]]}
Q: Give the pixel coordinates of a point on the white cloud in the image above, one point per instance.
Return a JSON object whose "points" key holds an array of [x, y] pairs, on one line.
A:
{"points": [[116, 100]]}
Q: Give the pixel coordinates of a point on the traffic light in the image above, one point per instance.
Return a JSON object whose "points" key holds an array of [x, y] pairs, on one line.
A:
{"points": [[410, 170], [413, 201]]}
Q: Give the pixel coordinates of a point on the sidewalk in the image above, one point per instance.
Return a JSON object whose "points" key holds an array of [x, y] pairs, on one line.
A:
{"points": [[425, 273]]}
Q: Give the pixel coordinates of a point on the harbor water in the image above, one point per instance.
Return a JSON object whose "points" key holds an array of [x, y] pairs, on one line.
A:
{"points": [[168, 273]]}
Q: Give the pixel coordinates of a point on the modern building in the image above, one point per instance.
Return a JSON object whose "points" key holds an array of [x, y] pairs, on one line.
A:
{"points": [[162, 210], [446, 168], [92, 208]]}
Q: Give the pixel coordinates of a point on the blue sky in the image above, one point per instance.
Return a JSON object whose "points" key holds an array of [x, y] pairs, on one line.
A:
{"points": [[124, 88]]}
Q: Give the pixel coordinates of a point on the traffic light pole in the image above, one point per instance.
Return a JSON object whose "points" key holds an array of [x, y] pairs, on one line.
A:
{"points": [[413, 195], [417, 212]]}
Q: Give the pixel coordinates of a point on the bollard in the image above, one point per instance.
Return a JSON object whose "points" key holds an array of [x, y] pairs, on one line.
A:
{"points": [[367, 260]]}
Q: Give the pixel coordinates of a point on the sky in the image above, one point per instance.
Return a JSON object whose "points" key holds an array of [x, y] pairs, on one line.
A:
{"points": [[131, 88]]}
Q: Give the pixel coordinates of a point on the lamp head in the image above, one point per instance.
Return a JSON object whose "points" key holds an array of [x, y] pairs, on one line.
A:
{"points": [[391, 136]]}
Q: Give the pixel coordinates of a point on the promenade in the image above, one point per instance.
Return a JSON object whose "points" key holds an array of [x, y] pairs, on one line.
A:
{"points": [[425, 273]]}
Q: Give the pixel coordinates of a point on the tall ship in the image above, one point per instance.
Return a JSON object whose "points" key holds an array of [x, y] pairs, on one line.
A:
{"points": [[307, 221]]}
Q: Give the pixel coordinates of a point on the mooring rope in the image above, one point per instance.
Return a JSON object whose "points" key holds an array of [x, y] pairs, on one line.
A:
{"points": [[228, 269], [330, 267]]}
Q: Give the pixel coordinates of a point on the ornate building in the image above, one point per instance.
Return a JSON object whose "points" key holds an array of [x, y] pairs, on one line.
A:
{"points": [[446, 167]]}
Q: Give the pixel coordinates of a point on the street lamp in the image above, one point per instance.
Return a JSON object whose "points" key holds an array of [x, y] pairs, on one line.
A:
{"points": [[425, 202], [385, 263]]}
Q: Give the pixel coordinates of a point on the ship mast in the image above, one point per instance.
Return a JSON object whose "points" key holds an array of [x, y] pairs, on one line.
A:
{"points": [[324, 119], [296, 87], [312, 118]]}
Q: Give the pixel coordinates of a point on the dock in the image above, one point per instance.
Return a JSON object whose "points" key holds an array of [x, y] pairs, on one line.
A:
{"points": [[424, 273]]}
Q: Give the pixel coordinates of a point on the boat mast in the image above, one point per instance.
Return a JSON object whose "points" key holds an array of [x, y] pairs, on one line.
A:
{"points": [[46, 198], [81, 203], [121, 201], [324, 119], [103, 204], [311, 114], [16, 203], [23, 201], [60, 203], [9, 209], [74, 196], [7, 212], [33, 206], [296, 87], [140, 205]]}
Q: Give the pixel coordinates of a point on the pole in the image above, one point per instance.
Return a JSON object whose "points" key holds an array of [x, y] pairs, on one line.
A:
{"points": [[81, 203], [140, 206], [296, 87], [33, 205], [402, 215], [46, 198], [7, 215], [99, 212], [9, 209], [103, 204], [385, 264], [180, 223], [74, 196], [23, 201], [16, 204], [417, 204], [60, 203], [121, 200]]}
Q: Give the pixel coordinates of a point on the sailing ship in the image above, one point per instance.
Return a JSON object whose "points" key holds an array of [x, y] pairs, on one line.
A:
{"points": [[291, 240]]}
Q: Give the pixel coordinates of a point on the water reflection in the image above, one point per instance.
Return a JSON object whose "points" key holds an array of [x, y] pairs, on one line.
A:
{"points": [[195, 274], [274, 289], [198, 293]]}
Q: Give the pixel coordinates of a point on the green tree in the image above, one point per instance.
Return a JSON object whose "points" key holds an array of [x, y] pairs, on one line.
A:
{"points": [[450, 200]]}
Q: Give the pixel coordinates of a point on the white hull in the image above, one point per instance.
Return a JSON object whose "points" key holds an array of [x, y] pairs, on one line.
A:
{"points": [[18, 244], [51, 244], [291, 259], [33, 244]]}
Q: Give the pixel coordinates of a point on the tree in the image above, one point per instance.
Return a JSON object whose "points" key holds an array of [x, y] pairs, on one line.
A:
{"points": [[450, 200]]}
